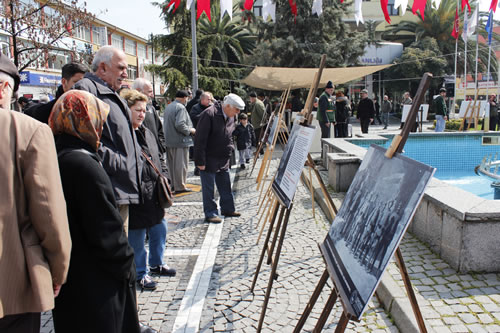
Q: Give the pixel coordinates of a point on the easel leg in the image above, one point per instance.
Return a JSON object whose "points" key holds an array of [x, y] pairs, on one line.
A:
{"points": [[275, 207], [274, 268], [264, 248], [312, 301], [342, 324], [410, 292], [275, 237], [326, 312], [311, 189]]}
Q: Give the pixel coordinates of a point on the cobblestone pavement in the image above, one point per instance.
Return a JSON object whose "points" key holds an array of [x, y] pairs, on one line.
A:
{"points": [[227, 303]]}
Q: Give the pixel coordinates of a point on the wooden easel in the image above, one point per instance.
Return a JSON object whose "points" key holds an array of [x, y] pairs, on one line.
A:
{"points": [[278, 232], [475, 110], [396, 146], [268, 154]]}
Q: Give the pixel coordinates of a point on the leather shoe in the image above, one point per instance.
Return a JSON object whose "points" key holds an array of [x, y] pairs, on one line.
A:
{"points": [[232, 214], [213, 219], [183, 191], [146, 329]]}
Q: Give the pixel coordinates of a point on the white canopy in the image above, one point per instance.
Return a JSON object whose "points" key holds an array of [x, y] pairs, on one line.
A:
{"points": [[280, 78]]}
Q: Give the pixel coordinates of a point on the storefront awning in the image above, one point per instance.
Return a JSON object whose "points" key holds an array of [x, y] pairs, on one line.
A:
{"points": [[280, 78]]}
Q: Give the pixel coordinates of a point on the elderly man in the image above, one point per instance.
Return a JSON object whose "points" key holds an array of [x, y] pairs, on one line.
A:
{"points": [[212, 151], [366, 111], [152, 119], [386, 109], [205, 102], [71, 74], [257, 110], [34, 240], [325, 115], [119, 150], [178, 138]]}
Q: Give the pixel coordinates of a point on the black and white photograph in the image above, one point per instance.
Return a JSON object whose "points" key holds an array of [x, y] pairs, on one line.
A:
{"points": [[273, 129], [371, 222], [292, 163]]}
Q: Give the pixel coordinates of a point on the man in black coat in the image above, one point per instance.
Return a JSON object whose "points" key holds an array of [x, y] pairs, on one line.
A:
{"points": [[205, 102], [366, 111], [119, 150], [71, 74], [213, 146], [195, 100]]}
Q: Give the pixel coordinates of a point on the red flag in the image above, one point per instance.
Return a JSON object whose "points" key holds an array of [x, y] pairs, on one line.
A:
{"points": [[420, 6], [494, 5], [293, 7], [341, 1], [456, 25], [248, 4], [69, 27], [176, 4], [464, 3], [203, 6], [383, 4]]}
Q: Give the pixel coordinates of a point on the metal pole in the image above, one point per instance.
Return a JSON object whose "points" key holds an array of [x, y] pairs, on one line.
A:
{"points": [[465, 61], [194, 53], [153, 62], [452, 102], [477, 48]]}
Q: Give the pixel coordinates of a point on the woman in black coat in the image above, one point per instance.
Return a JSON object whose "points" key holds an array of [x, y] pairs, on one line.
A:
{"points": [[148, 216], [99, 295]]}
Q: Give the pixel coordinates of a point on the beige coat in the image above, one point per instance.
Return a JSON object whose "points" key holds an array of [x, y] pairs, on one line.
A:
{"points": [[35, 242]]}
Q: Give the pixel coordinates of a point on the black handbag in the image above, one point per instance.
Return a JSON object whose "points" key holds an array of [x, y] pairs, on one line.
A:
{"points": [[165, 196]]}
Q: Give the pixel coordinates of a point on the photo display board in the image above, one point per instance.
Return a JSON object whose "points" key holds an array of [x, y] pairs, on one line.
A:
{"points": [[371, 222], [423, 107], [484, 108], [273, 129], [292, 162]]}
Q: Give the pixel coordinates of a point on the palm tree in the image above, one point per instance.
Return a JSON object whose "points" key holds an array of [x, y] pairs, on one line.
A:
{"points": [[438, 24]]}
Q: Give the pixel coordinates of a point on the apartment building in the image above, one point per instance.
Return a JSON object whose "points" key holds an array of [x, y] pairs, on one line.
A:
{"points": [[43, 78]]}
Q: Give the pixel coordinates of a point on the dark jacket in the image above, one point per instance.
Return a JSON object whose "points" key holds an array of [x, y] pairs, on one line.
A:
{"points": [[148, 213], [440, 106], [101, 278], [192, 103], [195, 113], [341, 110], [41, 111], [119, 150], [245, 136], [366, 108], [153, 123], [213, 142], [325, 103]]}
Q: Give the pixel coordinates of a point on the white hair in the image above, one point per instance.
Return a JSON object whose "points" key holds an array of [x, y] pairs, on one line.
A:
{"points": [[140, 83], [104, 55]]}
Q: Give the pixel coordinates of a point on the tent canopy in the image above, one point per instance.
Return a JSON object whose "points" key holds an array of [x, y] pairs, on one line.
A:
{"points": [[280, 78]]}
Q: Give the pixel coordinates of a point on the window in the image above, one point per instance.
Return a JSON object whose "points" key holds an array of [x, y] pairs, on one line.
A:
{"points": [[132, 72], [117, 41], [99, 35], [4, 45], [130, 47], [82, 32], [141, 51], [57, 59], [391, 10]]}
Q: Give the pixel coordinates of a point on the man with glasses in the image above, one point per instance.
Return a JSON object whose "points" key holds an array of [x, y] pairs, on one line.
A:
{"points": [[34, 238], [213, 146]]}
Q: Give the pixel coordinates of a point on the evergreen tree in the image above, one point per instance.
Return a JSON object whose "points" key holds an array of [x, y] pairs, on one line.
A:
{"points": [[222, 46], [300, 41]]}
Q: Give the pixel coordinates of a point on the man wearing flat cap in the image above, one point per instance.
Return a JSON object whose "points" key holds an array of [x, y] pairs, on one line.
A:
{"points": [[34, 240], [326, 114], [213, 146], [178, 138], [366, 111]]}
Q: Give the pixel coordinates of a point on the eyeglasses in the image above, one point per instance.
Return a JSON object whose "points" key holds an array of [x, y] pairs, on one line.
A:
{"points": [[12, 97]]}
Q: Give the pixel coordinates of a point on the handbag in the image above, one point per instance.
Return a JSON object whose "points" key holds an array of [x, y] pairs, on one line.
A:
{"points": [[165, 196]]}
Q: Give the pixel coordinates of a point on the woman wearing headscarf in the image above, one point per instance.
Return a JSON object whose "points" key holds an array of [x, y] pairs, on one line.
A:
{"points": [[148, 216], [99, 295]]}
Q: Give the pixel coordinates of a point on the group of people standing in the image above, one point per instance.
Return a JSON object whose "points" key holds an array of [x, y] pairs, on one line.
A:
{"points": [[84, 194]]}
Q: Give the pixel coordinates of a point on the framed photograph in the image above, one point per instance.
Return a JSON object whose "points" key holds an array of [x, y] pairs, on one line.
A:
{"points": [[371, 222], [292, 162], [274, 125]]}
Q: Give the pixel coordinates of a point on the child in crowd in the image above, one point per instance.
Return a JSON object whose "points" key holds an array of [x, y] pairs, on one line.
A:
{"points": [[245, 139]]}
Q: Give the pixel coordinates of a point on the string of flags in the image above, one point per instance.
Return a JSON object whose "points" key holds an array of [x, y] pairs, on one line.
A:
{"points": [[269, 11]]}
